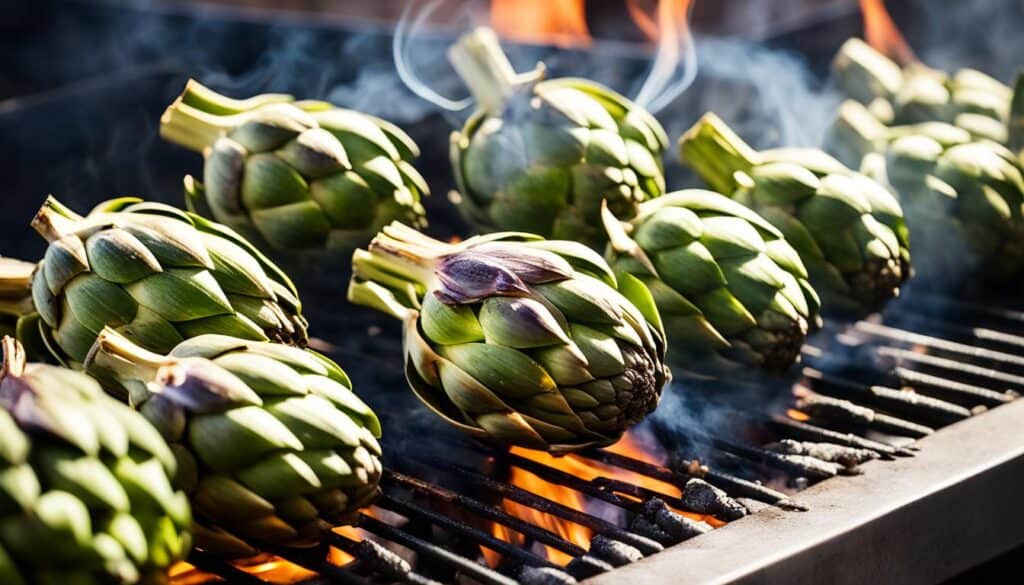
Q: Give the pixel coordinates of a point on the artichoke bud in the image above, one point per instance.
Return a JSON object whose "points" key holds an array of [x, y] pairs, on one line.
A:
{"points": [[64, 500], [158, 274], [731, 290], [296, 176], [519, 340], [916, 93], [540, 155], [840, 222], [251, 425], [964, 196]]}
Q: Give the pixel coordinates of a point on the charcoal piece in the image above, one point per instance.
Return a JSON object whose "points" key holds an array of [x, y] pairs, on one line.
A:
{"points": [[615, 552], [644, 527], [587, 566], [678, 527], [704, 498], [544, 576]]}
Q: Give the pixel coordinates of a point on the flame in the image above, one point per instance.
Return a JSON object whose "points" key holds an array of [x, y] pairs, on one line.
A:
{"points": [[882, 33], [797, 415], [585, 469], [557, 22], [274, 569], [185, 574]]}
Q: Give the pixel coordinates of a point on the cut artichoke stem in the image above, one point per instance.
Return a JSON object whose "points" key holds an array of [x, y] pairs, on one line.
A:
{"points": [[116, 354], [15, 287], [717, 153], [395, 253], [478, 59], [195, 129], [53, 221], [205, 99]]}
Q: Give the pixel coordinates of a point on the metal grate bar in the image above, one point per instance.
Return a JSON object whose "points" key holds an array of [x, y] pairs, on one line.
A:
{"points": [[470, 568]]}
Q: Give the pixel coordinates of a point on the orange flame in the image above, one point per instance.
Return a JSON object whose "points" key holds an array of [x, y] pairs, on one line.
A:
{"points": [[585, 469], [558, 22], [797, 415], [671, 19], [882, 33]]}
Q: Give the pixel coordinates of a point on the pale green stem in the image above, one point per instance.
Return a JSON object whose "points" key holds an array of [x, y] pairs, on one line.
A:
{"points": [[716, 153], [206, 100], [478, 59], [116, 354]]}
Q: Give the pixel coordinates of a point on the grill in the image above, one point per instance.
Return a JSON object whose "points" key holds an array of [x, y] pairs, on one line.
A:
{"points": [[892, 455]]}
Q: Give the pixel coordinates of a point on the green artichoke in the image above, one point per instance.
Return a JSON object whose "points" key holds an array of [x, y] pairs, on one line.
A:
{"points": [[964, 197], [731, 291], [541, 155], [85, 483], [273, 446], [157, 274], [516, 339], [295, 175], [848, 229], [917, 93]]}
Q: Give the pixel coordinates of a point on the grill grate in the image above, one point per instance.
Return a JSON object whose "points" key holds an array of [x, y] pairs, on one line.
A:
{"points": [[868, 391]]}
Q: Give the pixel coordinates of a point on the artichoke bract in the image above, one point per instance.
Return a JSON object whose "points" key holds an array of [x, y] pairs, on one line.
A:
{"points": [[272, 444], [296, 175], [917, 93], [848, 229], [541, 155], [516, 339], [85, 483], [731, 291], [157, 274], [964, 197]]}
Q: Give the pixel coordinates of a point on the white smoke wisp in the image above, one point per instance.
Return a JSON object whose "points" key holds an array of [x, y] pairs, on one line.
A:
{"points": [[411, 23], [675, 63]]}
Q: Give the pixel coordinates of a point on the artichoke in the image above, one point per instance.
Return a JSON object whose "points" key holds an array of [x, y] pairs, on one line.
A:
{"points": [[157, 274], [273, 446], [516, 339], [848, 229], [85, 483], [964, 197], [540, 155], [295, 175], [731, 291], [917, 93]]}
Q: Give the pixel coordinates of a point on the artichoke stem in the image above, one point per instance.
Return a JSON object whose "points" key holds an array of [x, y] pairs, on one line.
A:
{"points": [[14, 358], [192, 128], [716, 153], [400, 254], [478, 59], [113, 352], [53, 221], [206, 100]]}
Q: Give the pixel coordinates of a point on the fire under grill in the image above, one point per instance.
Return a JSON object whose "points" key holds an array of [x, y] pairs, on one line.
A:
{"points": [[899, 404]]}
